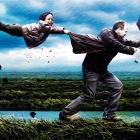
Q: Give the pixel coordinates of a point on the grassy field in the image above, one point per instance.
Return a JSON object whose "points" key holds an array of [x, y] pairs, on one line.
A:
{"points": [[53, 95], [88, 129]]}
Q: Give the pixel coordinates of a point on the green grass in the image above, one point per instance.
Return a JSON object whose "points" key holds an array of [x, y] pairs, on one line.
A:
{"points": [[55, 94], [84, 129]]}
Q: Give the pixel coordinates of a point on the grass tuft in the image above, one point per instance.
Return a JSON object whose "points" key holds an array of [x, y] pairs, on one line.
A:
{"points": [[83, 129]]}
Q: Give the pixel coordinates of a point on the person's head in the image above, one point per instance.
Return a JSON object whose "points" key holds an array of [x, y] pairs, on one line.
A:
{"points": [[120, 27], [47, 17]]}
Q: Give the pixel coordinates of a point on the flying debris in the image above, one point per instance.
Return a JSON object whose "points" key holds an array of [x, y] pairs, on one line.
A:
{"points": [[0, 67], [47, 61], [32, 114], [136, 61]]}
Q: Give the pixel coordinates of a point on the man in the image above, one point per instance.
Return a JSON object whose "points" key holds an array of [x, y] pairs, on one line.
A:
{"points": [[95, 70]]}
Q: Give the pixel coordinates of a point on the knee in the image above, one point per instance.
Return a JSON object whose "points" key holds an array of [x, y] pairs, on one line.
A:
{"points": [[88, 97]]}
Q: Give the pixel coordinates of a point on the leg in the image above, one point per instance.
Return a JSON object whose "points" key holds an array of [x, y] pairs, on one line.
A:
{"points": [[15, 29], [112, 81], [90, 82]]}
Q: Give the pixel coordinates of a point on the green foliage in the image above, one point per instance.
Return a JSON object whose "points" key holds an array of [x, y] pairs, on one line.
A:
{"points": [[90, 129], [31, 95], [54, 94]]}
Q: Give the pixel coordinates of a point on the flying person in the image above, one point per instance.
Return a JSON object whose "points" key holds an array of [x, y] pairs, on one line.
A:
{"points": [[36, 33]]}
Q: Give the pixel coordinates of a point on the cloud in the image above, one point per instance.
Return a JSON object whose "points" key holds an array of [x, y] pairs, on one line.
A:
{"points": [[25, 59], [78, 16], [37, 4], [133, 32], [2, 9], [121, 58], [101, 15]]}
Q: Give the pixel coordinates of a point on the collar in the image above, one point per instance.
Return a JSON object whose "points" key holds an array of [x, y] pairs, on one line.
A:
{"points": [[43, 22], [117, 36]]}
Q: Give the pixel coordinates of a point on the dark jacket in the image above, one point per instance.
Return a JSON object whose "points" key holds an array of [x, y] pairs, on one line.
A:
{"points": [[99, 61], [85, 43], [36, 33]]}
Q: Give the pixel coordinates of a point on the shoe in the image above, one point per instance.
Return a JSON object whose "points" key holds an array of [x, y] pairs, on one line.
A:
{"points": [[113, 118], [69, 117]]}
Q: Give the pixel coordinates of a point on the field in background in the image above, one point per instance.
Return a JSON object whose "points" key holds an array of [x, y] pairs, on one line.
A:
{"points": [[43, 91]]}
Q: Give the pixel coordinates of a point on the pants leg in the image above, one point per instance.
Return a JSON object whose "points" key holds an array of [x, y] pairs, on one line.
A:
{"points": [[112, 81], [15, 29], [90, 82]]}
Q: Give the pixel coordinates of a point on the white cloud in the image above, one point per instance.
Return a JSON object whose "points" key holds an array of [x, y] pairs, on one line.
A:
{"points": [[101, 15], [81, 29], [124, 58], [26, 59], [37, 4], [65, 52], [121, 58], [2, 10], [133, 32]]}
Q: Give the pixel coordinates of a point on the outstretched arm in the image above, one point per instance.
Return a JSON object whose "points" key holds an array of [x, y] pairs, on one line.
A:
{"points": [[112, 43], [54, 29], [134, 43], [58, 30]]}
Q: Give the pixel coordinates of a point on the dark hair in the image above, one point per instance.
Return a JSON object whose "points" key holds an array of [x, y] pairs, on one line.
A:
{"points": [[43, 16], [119, 24]]}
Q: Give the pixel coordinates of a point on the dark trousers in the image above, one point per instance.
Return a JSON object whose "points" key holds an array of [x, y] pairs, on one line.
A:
{"points": [[15, 29], [91, 80]]}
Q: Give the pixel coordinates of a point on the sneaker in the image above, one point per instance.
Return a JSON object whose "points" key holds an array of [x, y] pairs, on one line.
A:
{"points": [[113, 118], [69, 117]]}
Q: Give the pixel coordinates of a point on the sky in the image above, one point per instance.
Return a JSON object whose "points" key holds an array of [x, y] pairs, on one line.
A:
{"points": [[78, 16]]}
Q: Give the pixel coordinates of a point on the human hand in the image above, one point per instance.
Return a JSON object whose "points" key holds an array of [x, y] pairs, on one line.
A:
{"points": [[135, 50], [66, 32]]}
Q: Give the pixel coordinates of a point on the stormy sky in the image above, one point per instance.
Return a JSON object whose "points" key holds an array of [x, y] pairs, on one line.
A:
{"points": [[78, 16]]}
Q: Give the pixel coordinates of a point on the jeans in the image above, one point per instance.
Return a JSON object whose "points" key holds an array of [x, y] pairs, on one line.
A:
{"points": [[91, 80]]}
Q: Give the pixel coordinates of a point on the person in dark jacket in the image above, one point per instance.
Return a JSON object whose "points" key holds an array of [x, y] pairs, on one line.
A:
{"points": [[95, 69], [36, 33]]}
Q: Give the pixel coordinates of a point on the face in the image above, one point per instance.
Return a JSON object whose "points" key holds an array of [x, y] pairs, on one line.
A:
{"points": [[49, 19], [122, 32]]}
